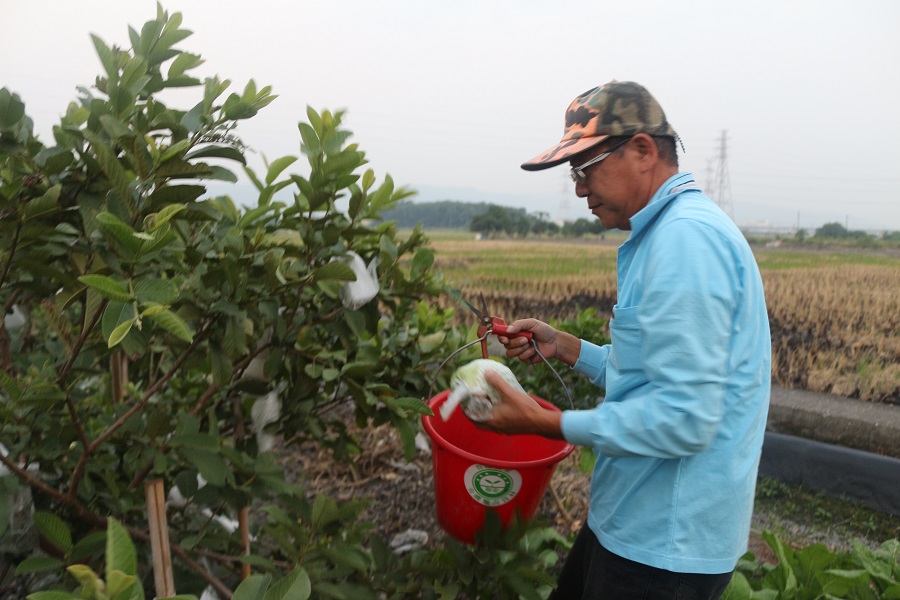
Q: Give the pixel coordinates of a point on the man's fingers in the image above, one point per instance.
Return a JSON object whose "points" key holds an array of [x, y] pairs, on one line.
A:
{"points": [[496, 380]]}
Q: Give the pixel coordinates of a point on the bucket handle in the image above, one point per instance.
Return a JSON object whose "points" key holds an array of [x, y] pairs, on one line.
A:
{"points": [[483, 338]]}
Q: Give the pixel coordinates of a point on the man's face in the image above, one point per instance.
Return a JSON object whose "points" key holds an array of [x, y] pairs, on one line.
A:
{"points": [[610, 186]]}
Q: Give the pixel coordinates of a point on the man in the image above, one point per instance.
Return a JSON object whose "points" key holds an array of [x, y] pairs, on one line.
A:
{"points": [[687, 373]]}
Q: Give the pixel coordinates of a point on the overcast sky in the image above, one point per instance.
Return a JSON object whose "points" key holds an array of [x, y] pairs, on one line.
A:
{"points": [[451, 97]]}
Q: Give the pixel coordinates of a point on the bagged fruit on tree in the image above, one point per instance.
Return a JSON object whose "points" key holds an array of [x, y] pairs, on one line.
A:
{"points": [[476, 396]]}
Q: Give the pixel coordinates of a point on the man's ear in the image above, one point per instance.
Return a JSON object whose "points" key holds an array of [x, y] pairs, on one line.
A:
{"points": [[645, 147]]}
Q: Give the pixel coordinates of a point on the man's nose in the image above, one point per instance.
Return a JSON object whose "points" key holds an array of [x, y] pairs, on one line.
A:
{"points": [[582, 190]]}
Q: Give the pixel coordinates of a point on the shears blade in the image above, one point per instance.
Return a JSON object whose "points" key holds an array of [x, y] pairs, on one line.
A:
{"points": [[484, 319]]}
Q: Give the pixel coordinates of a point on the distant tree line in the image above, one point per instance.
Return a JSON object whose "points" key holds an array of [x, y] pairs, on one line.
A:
{"points": [[445, 214], [489, 220], [836, 231]]}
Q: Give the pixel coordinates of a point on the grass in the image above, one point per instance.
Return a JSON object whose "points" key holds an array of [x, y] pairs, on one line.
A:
{"points": [[804, 516], [529, 258], [777, 260]]}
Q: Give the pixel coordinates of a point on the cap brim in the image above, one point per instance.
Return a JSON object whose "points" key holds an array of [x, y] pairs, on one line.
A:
{"points": [[562, 152]]}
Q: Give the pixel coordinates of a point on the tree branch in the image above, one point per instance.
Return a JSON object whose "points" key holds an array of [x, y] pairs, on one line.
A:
{"points": [[78, 472]]}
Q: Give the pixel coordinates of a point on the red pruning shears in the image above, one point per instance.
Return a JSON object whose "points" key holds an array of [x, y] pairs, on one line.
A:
{"points": [[488, 324]]}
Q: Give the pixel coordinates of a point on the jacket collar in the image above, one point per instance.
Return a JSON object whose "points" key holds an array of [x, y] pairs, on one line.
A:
{"points": [[674, 185]]}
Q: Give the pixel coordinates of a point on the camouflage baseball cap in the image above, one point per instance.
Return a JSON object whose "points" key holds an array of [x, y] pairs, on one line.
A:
{"points": [[614, 109]]}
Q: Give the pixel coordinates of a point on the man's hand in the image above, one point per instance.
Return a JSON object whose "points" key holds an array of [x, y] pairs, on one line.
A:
{"points": [[518, 412], [551, 342]]}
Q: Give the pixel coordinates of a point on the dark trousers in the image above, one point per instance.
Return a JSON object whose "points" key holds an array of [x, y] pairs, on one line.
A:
{"points": [[591, 572]]}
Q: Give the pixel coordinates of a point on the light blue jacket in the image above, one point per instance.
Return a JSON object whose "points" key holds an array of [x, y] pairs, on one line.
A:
{"points": [[687, 378]]}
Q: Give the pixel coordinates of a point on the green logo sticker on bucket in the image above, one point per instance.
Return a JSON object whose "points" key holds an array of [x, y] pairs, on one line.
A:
{"points": [[490, 486]]}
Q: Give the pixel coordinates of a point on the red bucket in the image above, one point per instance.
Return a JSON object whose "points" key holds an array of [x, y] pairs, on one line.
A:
{"points": [[476, 471]]}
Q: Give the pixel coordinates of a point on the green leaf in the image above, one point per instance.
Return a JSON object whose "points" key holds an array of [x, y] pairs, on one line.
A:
{"points": [[174, 150], [218, 173], [156, 220], [334, 270], [382, 196], [357, 203], [184, 62], [407, 436], [293, 586], [115, 314], [586, 459], [159, 291], [106, 287], [406, 404], [107, 57], [431, 342], [38, 564], [315, 120], [54, 529], [368, 180], [253, 178], [347, 556], [92, 585], [422, 261], [12, 109], [738, 588], [253, 215], [118, 582], [220, 366], [278, 166], [236, 109], [266, 195], [118, 334], [840, 582], [524, 589], [181, 169], [310, 139], [217, 152], [174, 324], [324, 511], [152, 309], [52, 596], [176, 194], [43, 205], [116, 128], [109, 163], [9, 385], [90, 545], [878, 563], [252, 588], [53, 160], [212, 467], [121, 232], [133, 74], [234, 341]]}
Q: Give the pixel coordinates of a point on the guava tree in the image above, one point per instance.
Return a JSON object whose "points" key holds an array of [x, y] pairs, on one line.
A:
{"points": [[146, 318]]}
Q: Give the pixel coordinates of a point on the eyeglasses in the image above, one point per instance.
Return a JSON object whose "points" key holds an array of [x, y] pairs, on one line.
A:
{"points": [[577, 173]]}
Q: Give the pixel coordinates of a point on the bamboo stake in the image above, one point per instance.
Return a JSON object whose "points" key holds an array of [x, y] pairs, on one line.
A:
{"points": [[159, 538], [243, 521]]}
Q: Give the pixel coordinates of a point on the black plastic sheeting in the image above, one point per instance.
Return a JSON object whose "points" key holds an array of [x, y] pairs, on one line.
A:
{"points": [[870, 479]]}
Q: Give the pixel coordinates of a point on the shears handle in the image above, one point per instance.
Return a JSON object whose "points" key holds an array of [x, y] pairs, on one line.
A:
{"points": [[499, 327]]}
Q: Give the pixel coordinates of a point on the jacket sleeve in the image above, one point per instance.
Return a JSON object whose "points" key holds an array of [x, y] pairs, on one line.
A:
{"points": [[674, 363], [592, 362]]}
